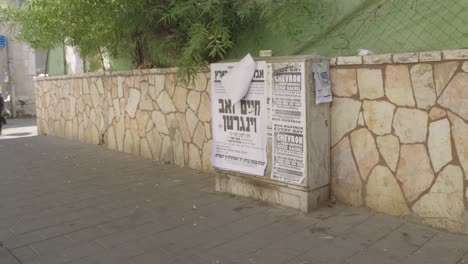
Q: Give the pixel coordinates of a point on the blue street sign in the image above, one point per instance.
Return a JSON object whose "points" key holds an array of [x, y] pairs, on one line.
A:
{"points": [[2, 42]]}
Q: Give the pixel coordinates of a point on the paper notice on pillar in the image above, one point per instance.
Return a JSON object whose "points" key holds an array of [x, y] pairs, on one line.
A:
{"points": [[289, 124], [322, 83], [237, 81], [239, 129]]}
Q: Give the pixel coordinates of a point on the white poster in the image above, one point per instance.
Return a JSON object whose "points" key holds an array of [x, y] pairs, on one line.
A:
{"points": [[322, 82], [239, 130], [288, 122]]}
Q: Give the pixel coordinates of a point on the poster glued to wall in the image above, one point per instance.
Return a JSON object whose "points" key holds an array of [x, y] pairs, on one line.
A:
{"points": [[239, 129], [288, 115]]}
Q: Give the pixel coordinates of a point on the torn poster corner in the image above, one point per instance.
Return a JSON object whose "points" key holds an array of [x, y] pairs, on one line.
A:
{"points": [[237, 80]]}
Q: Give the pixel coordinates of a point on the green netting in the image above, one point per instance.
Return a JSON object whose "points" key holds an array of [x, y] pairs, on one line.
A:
{"points": [[398, 26]]}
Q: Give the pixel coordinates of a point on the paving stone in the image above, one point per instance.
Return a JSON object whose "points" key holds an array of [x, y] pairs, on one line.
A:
{"points": [[62, 196], [443, 248]]}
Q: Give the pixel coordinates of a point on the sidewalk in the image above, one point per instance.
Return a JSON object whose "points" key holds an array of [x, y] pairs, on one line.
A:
{"points": [[66, 202]]}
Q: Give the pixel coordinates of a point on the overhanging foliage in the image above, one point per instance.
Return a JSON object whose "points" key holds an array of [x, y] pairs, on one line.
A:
{"points": [[184, 33]]}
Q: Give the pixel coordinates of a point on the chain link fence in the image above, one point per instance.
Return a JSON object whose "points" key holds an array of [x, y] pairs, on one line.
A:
{"points": [[399, 26]]}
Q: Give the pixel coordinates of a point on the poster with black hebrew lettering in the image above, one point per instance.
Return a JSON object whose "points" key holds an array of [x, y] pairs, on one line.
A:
{"points": [[288, 123], [239, 130]]}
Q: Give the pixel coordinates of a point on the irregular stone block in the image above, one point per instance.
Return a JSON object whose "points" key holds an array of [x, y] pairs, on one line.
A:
{"points": [[199, 135], [120, 81], [361, 120], [194, 158], [133, 101], [192, 120], [157, 84], [455, 96], [443, 206], [460, 138], [183, 128], [178, 145], [128, 142], [378, 116], [136, 138], [159, 120], [465, 66], [193, 100], [154, 142], [145, 150], [343, 81], [201, 81], [370, 83], [167, 153], [142, 120], [204, 112], [410, 125], [346, 183], [423, 85], [389, 147], [165, 103], [443, 73], [365, 151], [95, 96], [208, 130], [180, 99], [414, 171], [398, 85], [120, 134], [383, 193], [206, 153], [170, 84], [345, 113], [439, 144], [437, 113]]}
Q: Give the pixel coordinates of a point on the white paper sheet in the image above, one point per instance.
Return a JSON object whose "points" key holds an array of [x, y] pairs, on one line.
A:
{"points": [[237, 81], [239, 129]]}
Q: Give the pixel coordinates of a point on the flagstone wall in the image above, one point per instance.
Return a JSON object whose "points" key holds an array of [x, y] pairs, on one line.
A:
{"points": [[399, 127], [145, 113], [400, 135]]}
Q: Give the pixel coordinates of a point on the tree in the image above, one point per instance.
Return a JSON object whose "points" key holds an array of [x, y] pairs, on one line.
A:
{"points": [[184, 33]]}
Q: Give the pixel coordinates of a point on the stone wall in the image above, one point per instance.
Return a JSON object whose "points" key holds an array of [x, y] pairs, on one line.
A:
{"points": [[145, 113], [399, 127], [400, 135]]}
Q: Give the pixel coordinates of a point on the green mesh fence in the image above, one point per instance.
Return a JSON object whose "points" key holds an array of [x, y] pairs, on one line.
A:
{"points": [[397, 26]]}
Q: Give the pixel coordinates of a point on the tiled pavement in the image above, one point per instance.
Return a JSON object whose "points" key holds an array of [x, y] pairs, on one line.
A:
{"points": [[65, 202]]}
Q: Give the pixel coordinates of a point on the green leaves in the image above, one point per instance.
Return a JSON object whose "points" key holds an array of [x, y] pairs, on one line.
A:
{"points": [[185, 33]]}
